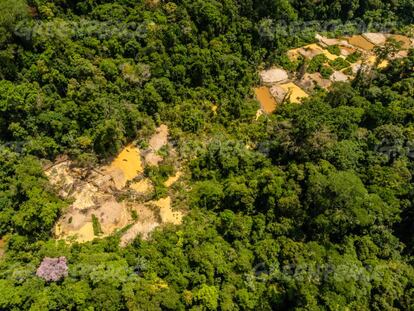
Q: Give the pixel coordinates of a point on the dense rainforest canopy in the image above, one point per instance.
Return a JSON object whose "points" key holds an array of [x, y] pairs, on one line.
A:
{"points": [[318, 212]]}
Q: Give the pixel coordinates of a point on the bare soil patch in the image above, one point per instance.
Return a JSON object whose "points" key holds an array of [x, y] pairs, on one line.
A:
{"points": [[360, 42], [267, 102], [95, 194], [296, 93], [273, 75]]}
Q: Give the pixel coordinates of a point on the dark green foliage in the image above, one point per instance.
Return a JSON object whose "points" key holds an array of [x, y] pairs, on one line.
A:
{"points": [[339, 63], [334, 49], [316, 63], [326, 71], [354, 57]]}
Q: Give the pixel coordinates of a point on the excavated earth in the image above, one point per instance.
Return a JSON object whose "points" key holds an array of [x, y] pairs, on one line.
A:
{"points": [[115, 195], [278, 86]]}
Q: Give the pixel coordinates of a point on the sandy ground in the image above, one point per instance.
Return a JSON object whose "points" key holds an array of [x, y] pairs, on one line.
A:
{"points": [[166, 213], [309, 52], [375, 38], [361, 42], [126, 166], [296, 92], [94, 193], [142, 187], [173, 179], [325, 42], [273, 75], [310, 80], [406, 42], [278, 93], [157, 141], [339, 76]]}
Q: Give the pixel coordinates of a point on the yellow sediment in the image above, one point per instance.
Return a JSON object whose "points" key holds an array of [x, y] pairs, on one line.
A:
{"points": [[84, 234], [129, 162], [383, 64], [266, 100], [171, 180], [372, 59], [166, 212], [405, 41], [142, 186], [259, 113], [361, 42], [313, 49], [296, 92]]}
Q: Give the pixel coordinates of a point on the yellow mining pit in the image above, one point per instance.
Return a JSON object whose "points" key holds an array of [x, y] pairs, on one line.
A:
{"points": [[296, 93], [266, 100]]}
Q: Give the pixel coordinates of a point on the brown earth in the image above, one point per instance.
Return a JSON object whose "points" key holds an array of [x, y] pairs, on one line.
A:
{"points": [[360, 42], [94, 192], [267, 102], [2, 247]]}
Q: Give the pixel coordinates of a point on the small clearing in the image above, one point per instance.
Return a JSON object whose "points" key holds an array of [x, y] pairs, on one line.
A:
{"points": [[274, 91], [157, 141], [95, 192]]}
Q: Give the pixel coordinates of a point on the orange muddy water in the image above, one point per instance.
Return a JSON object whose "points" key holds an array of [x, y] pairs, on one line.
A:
{"points": [[266, 100]]}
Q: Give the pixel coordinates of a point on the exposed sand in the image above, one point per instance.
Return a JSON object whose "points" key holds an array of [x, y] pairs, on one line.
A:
{"points": [[339, 76], [267, 102], [126, 166], [383, 64], [310, 80], [346, 51], [310, 51], [360, 42], [273, 75], [375, 38], [95, 192], [259, 113], [296, 93], [142, 228], [173, 179], [406, 42], [325, 42], [356, 67], [143, 186], [157, 141], [278, 93], [166, 212], [160, 138]]}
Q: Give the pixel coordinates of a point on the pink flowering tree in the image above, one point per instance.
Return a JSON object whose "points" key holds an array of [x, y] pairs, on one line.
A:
{"points": [[52, 269]]}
